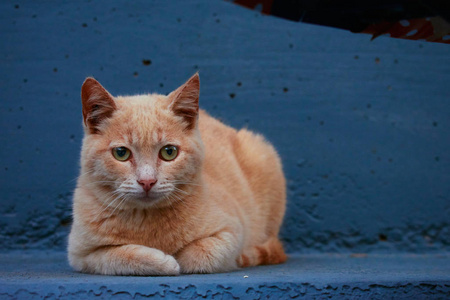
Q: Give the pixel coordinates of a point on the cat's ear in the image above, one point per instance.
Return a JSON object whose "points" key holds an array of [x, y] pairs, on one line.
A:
{"points": [[185, 101], [98, 104]]}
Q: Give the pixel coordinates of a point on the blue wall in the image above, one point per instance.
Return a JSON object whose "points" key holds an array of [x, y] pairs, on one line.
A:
{"points": [[363, 127]]}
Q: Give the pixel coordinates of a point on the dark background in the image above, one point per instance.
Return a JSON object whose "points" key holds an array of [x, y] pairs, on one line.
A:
{"points": [[363, 127]]}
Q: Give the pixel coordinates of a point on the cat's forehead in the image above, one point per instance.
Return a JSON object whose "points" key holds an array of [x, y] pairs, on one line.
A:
{"points": [[147, 102], [143, 120]]}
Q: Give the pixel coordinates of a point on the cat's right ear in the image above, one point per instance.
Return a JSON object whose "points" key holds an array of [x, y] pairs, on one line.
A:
{"points": [[185, 101], [98, 104]]}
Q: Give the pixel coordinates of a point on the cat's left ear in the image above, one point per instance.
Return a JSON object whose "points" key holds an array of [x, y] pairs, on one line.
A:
{"points": [[185, 101]]}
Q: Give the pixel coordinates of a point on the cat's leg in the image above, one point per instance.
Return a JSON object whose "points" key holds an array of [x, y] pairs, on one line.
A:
{"points": [[271, 252], [126, 260], [217, 253]]}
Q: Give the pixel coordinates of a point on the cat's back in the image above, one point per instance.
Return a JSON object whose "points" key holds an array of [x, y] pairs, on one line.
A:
{"points": [[219, 141], [254, 155], [247, 167]]}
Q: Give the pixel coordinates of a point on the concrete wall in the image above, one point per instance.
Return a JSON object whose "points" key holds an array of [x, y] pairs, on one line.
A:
{"points": [[363, 127]]}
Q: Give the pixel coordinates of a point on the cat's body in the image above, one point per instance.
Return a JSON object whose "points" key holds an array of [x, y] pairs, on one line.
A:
{"points": [[216, 206]]}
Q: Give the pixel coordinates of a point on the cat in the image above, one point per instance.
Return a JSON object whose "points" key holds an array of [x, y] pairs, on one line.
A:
{"points": [[166, 189]]}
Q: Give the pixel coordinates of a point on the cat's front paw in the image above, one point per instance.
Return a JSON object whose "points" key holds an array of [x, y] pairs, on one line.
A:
{"points": [[170, 266], [192, 262], [162, 264], [209, 255]]}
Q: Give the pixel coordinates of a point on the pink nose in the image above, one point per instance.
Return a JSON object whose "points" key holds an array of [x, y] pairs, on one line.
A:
{"points": [[147, 184]]}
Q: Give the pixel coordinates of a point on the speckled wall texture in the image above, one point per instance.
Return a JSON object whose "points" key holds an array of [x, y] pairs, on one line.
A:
{"points": [[363, 127]]}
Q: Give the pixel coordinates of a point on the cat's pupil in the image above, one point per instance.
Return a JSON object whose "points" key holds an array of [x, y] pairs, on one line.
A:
{"points": [[121, 151], [169, 151]]}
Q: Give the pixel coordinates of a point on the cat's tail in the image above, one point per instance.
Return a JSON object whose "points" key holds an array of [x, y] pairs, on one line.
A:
{"points": [[269, 253]]}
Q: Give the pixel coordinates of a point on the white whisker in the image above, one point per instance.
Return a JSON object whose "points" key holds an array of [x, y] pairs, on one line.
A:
{"points": [[117, 199], [113, 195], [103, 181], [176, 196], [184, 182], [180, 191], [120, 204], [76, 178]]}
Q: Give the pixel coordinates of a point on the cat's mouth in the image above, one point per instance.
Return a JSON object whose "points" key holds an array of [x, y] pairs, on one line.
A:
{"points": [[149, 197]]}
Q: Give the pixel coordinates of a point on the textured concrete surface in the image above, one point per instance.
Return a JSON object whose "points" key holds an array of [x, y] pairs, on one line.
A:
{"points": [[46, 275], [362, 127]]}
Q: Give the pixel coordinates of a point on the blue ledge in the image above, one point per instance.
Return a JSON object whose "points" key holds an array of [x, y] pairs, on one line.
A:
{"points": [[46, 275]]}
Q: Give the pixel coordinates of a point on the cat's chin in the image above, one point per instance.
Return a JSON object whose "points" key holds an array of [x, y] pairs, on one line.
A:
{"points": [[150, 199]]}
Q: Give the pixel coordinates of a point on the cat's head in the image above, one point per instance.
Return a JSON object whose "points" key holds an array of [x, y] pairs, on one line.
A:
{"points": [[141, 151]]}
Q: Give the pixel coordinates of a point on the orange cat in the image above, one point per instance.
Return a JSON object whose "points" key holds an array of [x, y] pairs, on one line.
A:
{"points": [[166, 189]]}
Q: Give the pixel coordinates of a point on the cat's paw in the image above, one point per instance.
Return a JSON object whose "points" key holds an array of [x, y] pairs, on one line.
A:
{"points": [[198, 259], [170, 266], [161, 264], [204, 263], [126, 260]]}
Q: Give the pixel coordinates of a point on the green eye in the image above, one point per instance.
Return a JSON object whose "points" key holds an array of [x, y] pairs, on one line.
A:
{"points": [[168, 152], [121, 153]]}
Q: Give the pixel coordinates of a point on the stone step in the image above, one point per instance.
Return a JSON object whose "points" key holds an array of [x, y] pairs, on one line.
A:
{"points": [[47, 275]]}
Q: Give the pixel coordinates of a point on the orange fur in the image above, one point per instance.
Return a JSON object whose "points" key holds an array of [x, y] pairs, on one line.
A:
{"points": [[216, 207]]}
